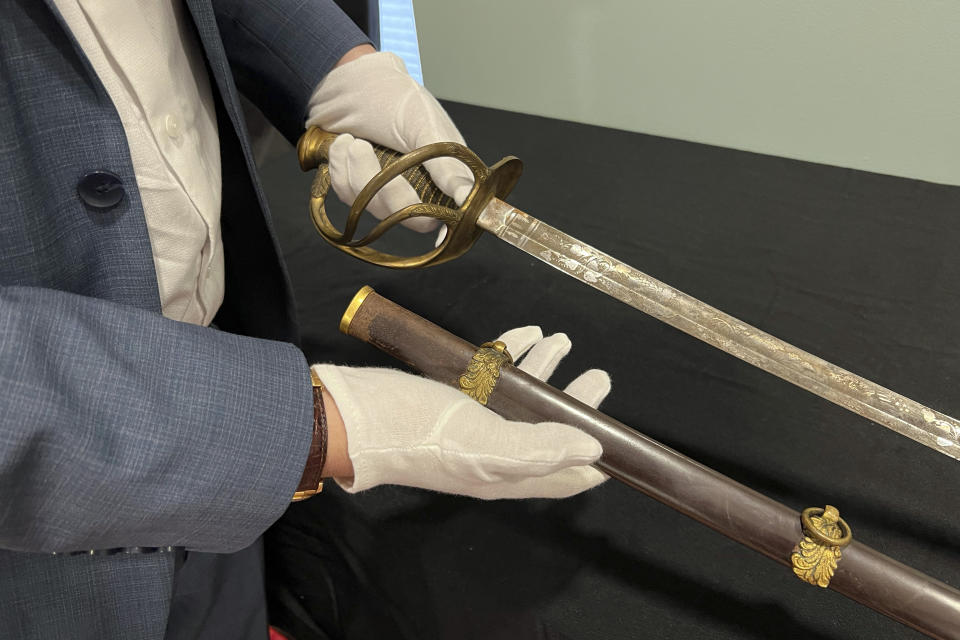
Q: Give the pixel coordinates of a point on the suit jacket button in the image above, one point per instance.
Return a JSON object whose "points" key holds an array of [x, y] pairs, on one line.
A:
{"points": [[100, 189]]}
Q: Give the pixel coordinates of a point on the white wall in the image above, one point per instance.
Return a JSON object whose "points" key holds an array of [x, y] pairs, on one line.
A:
{"points": [[869, 84]]}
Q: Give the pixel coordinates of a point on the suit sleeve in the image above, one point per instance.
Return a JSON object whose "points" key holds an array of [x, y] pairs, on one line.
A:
{"points": [[119, 427], [280, 50]]}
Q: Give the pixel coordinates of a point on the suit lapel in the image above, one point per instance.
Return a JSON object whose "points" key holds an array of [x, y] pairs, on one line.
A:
{"points": [[206, 24]]}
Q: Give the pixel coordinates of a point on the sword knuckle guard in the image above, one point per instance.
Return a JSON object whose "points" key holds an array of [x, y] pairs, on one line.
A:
{"points": [[462, 232]]}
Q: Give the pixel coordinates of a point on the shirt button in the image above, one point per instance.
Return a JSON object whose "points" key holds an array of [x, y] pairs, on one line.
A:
{"points": [[172, 126], [100, 189]]}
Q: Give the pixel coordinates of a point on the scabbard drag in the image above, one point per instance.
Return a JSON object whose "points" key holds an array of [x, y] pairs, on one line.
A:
{"points": [[738, 512]]}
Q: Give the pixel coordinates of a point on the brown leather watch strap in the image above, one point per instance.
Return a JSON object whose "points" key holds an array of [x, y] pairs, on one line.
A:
{"points": [[311, 483]]}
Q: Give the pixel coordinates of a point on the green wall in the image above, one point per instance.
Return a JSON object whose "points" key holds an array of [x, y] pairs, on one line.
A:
{"points": [[868, 84]]}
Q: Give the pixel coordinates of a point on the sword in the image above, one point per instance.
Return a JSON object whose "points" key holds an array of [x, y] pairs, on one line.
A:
{"points": [[485, 210]]}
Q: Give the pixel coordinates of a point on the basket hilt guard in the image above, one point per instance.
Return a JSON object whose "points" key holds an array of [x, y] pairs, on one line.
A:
{"points": [[489, 182]]}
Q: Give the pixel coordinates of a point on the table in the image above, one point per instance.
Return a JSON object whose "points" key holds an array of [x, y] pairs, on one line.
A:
{"points": [[859, 268]]}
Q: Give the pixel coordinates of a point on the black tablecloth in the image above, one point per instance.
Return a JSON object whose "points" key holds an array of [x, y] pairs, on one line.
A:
{"points": [[859, 268]]}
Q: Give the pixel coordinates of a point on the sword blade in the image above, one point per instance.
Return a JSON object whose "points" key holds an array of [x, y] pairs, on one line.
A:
{"points": [[698, 319]]}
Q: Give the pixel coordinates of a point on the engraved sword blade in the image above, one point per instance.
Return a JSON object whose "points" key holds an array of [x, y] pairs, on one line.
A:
{"points": [[621, 281]]}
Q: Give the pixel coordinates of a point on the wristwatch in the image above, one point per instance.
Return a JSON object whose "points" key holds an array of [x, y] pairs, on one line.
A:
{"points": [[311, 483]]}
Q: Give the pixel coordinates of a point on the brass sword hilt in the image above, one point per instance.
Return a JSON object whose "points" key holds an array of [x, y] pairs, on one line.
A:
{"points": [[489, 182]]}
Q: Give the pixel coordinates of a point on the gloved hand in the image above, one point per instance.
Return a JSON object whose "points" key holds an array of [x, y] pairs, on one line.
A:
{"points": [[407, 430], [374, 98]]}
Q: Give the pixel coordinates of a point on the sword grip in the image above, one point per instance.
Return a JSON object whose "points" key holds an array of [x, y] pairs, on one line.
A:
{"points": [[313, 151]]}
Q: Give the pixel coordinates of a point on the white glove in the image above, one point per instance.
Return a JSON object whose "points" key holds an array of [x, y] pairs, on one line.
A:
{"points": [[373, 97], [407, 430]]}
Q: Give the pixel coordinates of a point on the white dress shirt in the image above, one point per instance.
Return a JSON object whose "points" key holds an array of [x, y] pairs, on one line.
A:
{"points": [[150, 61]]}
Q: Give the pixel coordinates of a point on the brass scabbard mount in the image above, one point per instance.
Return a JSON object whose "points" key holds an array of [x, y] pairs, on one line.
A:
{"points": [[462, 231], [825, 533], [483, 372]]}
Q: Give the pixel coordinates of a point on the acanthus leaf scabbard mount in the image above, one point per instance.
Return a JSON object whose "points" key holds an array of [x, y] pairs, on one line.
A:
{"points": [[817, 545]]}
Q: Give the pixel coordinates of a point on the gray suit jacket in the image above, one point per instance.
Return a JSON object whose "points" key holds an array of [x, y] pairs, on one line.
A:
{"points": [[120, 428]]}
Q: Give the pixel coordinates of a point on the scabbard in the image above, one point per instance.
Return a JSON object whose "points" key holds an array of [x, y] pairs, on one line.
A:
{"points": [[738, 512]]}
